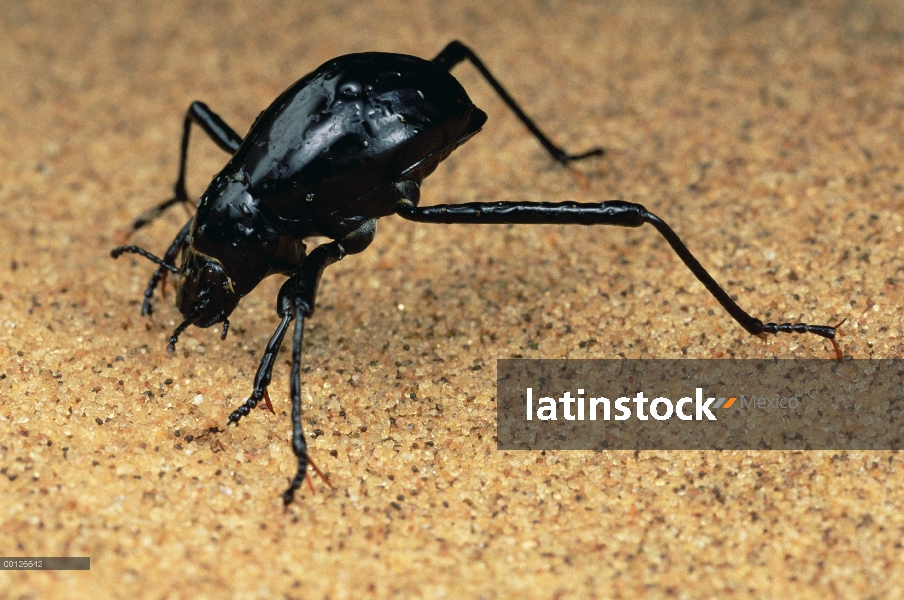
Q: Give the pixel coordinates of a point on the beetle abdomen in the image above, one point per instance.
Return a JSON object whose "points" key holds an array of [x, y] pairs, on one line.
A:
{"points": [[356, 125]]}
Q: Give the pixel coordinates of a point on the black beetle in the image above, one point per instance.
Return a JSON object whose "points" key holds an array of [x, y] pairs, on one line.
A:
{"points": [[343, 146]]}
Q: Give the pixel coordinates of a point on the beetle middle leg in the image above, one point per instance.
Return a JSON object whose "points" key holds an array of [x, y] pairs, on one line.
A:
{"points": [[216, 129], [613, 212], [455, 52]]}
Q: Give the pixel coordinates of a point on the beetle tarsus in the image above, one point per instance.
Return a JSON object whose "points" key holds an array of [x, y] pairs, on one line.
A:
{"points": [[245, 409], [753, 325], [155, 212], [310, 481], [820, 330], [264, 373], [217, 130]]}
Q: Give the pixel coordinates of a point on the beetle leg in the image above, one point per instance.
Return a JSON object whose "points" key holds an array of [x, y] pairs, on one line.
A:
{"points": [[264, 373], [615, 212], [299, 444], [267, 402], [298, 295], [216, 129], [159, 275], [300, 290], [455, 52], [296, 301], [165, 264]]}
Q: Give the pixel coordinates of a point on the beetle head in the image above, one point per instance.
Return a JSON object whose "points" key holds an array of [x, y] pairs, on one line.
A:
{"points": [[205, 293]]}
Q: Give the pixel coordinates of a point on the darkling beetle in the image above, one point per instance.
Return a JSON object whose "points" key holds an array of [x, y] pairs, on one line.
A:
{"points": [[343, 146]]}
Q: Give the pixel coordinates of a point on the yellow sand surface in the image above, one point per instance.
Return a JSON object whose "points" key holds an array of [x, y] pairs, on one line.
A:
{"points": [[769, 135]]}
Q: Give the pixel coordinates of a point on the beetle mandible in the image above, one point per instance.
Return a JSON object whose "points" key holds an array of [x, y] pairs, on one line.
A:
{"points": [[343, 146]]}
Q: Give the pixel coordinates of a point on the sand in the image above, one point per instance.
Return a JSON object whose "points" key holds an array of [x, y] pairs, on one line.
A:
{"points": [[769, 135]]}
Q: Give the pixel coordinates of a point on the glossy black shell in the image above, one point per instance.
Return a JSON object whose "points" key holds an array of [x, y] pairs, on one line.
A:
{"points": [[324, 158]]}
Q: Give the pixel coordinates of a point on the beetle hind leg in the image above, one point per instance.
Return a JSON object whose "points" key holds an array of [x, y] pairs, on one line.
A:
{"points": [[456, 52]]}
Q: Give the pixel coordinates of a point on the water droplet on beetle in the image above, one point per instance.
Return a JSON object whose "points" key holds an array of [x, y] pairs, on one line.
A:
{"points": [[350, 89]]}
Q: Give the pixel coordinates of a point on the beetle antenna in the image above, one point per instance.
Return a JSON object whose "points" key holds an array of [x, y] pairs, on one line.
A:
{"points": [[119, 251], [171, 347], [225, 329]]}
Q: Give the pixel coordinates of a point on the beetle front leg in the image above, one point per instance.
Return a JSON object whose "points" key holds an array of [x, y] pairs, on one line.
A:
{"points": [[296, 301], [216, 129], [455, 52], [161, 273], [299, 444], [299, 290], [264, 372]]}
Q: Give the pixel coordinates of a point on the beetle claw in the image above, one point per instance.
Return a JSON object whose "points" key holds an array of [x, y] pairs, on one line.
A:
{"points": [[267, 401]]}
